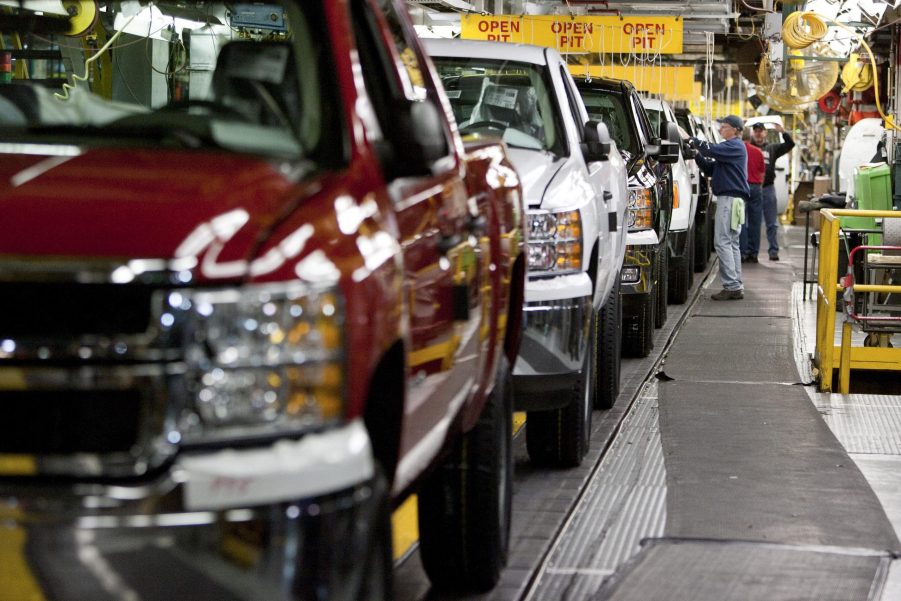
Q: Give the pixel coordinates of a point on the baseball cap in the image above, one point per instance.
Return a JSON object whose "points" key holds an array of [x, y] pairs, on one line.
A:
{"points": [[733, 120], [759, 126]]}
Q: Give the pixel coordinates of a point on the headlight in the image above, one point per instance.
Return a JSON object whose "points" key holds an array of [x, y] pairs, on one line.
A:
{"points": [[641, 209], [263, 360], [555, 241]]}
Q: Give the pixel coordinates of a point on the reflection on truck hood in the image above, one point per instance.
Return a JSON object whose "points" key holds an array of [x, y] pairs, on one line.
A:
{"points": [[536, 171], [121, 204]]}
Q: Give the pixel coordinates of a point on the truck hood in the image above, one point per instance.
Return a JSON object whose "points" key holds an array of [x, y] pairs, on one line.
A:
{"points": [[120, 204], [536, 171]]}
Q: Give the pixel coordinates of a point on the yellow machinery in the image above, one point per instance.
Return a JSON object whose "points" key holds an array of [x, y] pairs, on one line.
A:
{"points": [[865, 303]]}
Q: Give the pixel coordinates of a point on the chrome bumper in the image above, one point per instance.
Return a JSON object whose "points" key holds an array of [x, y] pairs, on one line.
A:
{"points": [[637, 274], [552, 352], [103, 541]]}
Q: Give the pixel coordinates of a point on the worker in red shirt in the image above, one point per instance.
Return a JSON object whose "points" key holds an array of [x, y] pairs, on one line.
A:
{"points": [[749, 240]]}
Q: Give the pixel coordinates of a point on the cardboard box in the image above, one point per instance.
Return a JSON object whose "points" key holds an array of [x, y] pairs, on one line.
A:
{"points": [[822, 184]]}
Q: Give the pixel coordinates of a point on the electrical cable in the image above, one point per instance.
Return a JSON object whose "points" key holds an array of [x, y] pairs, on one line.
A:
{"points": [[794, 33], [817, 23], [87, 63]]}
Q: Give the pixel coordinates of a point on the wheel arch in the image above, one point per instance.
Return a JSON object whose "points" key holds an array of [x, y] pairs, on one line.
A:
{"points": [[384, 410]]}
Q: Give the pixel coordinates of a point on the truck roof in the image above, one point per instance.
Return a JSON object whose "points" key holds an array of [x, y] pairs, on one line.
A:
{"points": [[524, 53]]}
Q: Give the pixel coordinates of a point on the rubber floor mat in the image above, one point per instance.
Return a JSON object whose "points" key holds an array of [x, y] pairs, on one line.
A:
{"points": [[750, 349], [713, 571], [757, 462]]}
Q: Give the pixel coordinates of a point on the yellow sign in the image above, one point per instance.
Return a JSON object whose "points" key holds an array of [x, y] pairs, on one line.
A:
{"points": [[673, 83], [605, 34]]}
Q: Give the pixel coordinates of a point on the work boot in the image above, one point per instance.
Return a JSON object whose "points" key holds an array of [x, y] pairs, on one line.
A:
{"points": [[728, 295]]}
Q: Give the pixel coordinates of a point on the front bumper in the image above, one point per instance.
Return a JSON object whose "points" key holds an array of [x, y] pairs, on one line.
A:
{"points": [[552, 352], [226, 534], [637, 274]]}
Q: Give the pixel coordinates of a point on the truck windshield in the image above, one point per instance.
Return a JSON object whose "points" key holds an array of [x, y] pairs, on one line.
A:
{"points": [[608, 108], [507, 99], [176, 75]]}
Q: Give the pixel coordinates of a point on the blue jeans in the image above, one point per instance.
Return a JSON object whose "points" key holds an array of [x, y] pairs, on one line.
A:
{"points": [[750, 231], [771, 218], [726, 243]]}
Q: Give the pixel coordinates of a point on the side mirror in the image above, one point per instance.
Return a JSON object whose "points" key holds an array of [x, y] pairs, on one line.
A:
{"points": [[417, 139], [672, 133], [669, 152], [597, 144]]}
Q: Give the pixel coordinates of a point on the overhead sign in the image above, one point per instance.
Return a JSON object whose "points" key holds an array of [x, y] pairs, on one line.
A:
{"points": [[673, 83], [603, 34]]}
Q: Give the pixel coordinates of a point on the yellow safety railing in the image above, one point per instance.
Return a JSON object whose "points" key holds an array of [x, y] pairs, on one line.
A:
{"points": [[828, 355]]}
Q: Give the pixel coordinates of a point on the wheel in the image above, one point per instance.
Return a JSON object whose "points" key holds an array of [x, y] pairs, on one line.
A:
{"points": [[560, 437], [465, 506], [661, 281], [609, 349], [638, 339], [702, 254], [681, 278]]}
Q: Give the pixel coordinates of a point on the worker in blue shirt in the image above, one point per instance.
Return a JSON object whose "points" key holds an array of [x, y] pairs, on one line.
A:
{"points": [[727, 165]]}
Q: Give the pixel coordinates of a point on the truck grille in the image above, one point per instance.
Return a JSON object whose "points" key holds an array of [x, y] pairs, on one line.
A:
{"points": [[62, 310], [58, 422]]}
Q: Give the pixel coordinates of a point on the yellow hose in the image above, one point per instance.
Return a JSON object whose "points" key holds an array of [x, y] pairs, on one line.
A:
{"points": [[794, 33], [795, 36]]}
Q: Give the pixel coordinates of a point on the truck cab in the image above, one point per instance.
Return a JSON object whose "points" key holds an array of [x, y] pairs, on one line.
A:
{"points": [[681, 239], [574, 182], [648, 160], [255, 292], [704, 212]]}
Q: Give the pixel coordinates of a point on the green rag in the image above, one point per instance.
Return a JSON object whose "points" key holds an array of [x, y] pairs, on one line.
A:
{"points": [[738, 212]]}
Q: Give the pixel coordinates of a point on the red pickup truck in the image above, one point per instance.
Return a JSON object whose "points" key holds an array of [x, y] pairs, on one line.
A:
{"points": [[254, 291]]}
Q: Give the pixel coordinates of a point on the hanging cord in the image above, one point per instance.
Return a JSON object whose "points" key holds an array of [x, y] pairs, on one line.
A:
{"points": [[796, 35], [87, 64], [708, 80], [792, 34], [742, 36]]}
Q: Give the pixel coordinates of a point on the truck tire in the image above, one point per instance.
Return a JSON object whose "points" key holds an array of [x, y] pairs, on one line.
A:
{"points": [[639, 342], [560, 437], [662, 287], [702, 255], [683, 275], [609, 349], [465, 506]]}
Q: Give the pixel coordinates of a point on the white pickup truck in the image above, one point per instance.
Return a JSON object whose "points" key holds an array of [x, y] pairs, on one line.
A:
{"points": [[681, 238], [575, 186]]}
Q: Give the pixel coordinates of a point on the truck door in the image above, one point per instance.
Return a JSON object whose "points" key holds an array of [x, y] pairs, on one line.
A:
{"points": [[438, 226], [598, 179]]}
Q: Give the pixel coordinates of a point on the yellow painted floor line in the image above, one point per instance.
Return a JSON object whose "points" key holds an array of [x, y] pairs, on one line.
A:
{"points": [[404, 522], [405, 529], [16, 580]]}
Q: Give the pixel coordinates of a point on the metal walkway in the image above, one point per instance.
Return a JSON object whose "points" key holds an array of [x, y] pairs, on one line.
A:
{"points": [[724, 477]]}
